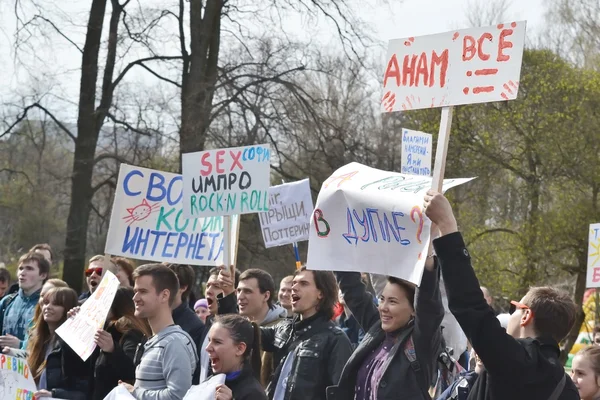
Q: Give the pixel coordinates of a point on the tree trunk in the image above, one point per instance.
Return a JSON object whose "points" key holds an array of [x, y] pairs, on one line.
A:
{"points": [[579, 292], [89, 123], [199, 83], [85, 148]]}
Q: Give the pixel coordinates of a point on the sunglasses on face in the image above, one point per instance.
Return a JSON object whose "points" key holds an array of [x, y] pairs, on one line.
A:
{"points": [[514, 305], [90, 271]]}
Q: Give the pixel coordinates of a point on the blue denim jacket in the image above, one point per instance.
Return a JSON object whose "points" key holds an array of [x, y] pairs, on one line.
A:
{"points": [[17, 316]]}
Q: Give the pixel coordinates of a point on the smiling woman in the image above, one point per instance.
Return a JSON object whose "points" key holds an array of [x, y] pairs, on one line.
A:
{"points": [[57, 370], [401, 332]]}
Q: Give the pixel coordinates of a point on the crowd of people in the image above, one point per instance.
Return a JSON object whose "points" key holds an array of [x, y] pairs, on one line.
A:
{"points": [[318, 335]]}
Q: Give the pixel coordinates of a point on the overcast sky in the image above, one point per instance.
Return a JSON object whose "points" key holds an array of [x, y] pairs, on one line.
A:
{"points": [[397, 19]]}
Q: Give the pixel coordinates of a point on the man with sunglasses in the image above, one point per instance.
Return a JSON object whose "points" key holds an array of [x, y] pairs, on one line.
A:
{"points": [[94, 274], [521, 362]]}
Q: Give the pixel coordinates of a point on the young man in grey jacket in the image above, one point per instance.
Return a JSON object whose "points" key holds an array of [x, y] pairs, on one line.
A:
{"points": [[255, 299], [170, 358]]}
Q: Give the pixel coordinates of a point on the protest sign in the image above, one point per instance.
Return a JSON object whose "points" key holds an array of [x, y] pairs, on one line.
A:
{"points": [[467, 66], [119, 393], [78, 331], [16, 381], [226, 181], [370, 220], [416, 153], [593, 266], [207, 390], [147, 222], [288, 218]]}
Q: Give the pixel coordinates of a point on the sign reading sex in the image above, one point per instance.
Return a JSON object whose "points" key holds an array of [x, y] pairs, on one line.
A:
{"points": [[226, 181], [459, 67]]}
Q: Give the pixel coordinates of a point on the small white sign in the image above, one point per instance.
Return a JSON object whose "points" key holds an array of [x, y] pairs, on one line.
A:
{"points": [[416, 152], [78, 331], [288, 218]]}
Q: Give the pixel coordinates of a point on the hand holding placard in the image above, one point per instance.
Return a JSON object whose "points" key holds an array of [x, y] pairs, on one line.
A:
{"points": [[439, 211], [226, 279]]}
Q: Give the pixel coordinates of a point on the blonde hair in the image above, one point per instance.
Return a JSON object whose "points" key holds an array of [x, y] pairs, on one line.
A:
{"points": [[112, 267]]}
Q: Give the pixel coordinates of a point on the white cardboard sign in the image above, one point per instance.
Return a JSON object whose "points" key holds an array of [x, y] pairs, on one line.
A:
{"points": [[467, 66], [593, 267], [369, 220], [288, 218], [147, 222], [78, 331], [226, 181], [416, 153], [16, 381]]}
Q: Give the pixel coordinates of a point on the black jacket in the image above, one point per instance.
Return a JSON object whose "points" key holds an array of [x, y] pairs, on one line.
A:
{"points": [[67, 376], [246, 387], [400, 380], [515, 369], [110, 368], [193, 326], [321, 349]]}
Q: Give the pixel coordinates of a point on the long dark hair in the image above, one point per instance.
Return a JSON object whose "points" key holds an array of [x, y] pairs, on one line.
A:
{"points": [[242, 330], [123, 313], [326, 283], [40, 336]]}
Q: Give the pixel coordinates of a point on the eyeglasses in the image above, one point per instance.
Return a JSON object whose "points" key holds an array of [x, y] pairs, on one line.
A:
{"points": [[514, 305], [90, 271]]}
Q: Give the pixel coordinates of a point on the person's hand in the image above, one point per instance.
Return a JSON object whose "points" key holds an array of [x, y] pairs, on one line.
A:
{"points": [[226, 279], [439, 211], [41, 394], [127, 386], [6, 350], [73, 311], [105, 341], [10, 341], [223, 393]]}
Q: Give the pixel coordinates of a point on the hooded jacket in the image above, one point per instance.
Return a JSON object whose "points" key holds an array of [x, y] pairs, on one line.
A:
{"points": [[275, 315]]}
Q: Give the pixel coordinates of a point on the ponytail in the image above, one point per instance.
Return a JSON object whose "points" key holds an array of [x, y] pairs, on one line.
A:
{"points": [[242, 330]]}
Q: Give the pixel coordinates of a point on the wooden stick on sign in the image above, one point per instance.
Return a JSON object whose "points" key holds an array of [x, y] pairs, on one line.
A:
{"points": [[295, 247], [107, 262], [442, 149], [227, 247]]}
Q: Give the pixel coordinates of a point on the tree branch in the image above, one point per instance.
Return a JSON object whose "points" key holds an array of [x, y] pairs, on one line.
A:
{"points": [[489, 231], [139, 62], [26, 110], [107, 156], [108, 181], [127, 125], [14, 171]]}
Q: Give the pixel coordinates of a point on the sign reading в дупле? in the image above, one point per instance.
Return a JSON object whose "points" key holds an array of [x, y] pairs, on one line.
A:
{"points": [[369, 220]]}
